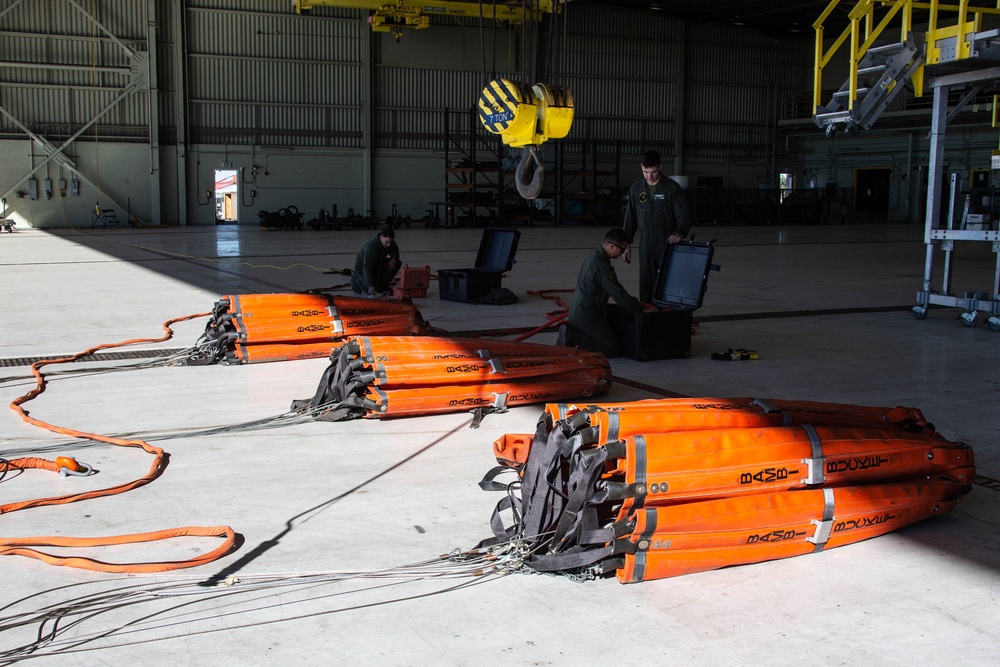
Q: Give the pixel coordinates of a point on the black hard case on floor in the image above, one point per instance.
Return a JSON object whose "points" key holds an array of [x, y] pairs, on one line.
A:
{"points": [[495, 256], [680, 287], [682, 277], [664, 334]]}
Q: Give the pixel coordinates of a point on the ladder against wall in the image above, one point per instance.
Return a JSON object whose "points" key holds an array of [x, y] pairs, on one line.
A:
{"points": [[931, 47]]}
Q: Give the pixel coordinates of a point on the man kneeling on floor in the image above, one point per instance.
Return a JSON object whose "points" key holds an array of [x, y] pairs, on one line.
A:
{"points": [[376, 264], [588, 328]]}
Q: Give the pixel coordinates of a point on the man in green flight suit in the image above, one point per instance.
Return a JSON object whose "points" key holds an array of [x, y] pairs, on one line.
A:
{"points": [[658, 209], [595, 283], [376, 264]]}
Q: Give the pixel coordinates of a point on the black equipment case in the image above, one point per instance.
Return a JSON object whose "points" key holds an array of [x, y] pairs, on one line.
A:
{"points": [[680, 287], [682, 277], [495, 256], [664, 334]]}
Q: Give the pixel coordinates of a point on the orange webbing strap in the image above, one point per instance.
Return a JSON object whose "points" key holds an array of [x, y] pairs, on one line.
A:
{"points": [[548, 294], [551, 319], [30, 462], [14, 546], [20, 546]]}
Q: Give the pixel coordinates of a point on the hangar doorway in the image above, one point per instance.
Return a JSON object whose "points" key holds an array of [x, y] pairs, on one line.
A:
{"points": [[227, 184]]}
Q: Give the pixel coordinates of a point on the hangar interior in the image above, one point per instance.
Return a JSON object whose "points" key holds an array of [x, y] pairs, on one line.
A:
{"points": [[155, 156]]}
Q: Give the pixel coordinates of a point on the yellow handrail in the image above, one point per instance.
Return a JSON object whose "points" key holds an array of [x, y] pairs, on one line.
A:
{"points": [[903, 10]]}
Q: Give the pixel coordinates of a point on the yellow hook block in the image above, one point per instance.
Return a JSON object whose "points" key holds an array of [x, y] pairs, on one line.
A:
{"points": [[555, 111], [506, 108], [525, 116]]}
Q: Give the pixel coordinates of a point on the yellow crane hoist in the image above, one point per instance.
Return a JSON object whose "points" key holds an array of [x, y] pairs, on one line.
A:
{"points": [[394, 15], [526, 118]]}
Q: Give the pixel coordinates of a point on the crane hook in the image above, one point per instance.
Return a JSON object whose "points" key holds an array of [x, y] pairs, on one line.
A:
{"points": [[529, 182]]}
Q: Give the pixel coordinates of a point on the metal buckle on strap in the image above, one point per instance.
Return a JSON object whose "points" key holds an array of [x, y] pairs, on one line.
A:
{"points": [[496, 365], [817, 464], [500, 402], [338, 325], [765, 405], [768, 407], [825, 526]]}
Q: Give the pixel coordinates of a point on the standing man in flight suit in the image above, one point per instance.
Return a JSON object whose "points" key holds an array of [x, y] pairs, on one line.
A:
{"points": [[376, 264], [596, 282], [658, 209]]}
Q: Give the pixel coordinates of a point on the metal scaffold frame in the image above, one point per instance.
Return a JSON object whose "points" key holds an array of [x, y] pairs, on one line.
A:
{"points": [[973, 302], [953, 51]]}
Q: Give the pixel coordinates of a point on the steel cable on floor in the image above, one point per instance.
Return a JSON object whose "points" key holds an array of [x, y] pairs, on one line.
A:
{"points": [[280, 420], [57, 620]]}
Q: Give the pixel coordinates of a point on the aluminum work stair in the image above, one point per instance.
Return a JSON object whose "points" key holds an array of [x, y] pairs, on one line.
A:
{"points": [[882, 74]]}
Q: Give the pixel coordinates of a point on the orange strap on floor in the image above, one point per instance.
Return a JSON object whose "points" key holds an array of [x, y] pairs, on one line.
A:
{"points": [[16, 546], [22, 547], [553, 318]]}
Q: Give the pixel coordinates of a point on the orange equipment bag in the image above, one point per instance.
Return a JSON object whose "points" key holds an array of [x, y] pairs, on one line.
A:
{"points": [[682, 492], [402, 376], [253, 328]]}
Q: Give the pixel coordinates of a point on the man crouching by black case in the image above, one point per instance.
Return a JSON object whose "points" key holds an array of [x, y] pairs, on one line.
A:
{"points": [[596, 282]]}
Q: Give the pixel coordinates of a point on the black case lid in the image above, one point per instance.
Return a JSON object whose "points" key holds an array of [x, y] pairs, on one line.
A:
{"points": [[497, 249], [683, 275]]}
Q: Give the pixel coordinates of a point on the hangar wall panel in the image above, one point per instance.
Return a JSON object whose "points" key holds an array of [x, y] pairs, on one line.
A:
{"points": [[260, 76]]}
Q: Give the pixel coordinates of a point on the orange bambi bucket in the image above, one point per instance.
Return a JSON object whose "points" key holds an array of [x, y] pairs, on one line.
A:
{"points": [[252, 328], [607, 422], [661, 488], [671, 541], [404, 376]]}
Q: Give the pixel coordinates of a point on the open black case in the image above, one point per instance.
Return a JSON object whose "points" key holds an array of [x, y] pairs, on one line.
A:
{"points": [[496, 256], [682, 277], [680, 286]]}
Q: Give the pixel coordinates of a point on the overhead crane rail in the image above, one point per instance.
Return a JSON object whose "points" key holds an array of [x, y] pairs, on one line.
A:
{"points": [[394, 16]]}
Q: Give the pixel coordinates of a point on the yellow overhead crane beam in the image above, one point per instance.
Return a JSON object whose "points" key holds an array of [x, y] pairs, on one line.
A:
{"points": [[393, 16]]}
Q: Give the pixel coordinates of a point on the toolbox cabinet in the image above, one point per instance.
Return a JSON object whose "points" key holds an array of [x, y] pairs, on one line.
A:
{"points": [[495, 257]]}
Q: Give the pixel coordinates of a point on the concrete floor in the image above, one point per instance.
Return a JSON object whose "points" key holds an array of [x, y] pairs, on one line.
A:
{"points": [[826, 308]]}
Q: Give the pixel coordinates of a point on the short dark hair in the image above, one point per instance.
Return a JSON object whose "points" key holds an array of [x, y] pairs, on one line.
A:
{"points": [[650, 159], [617, 236], [388, 233]]}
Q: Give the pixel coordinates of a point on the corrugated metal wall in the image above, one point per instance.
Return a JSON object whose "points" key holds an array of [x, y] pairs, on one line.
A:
{"points": [[256, 75], [60, 69], [253, 76], [260, 74], [624, 70]]}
